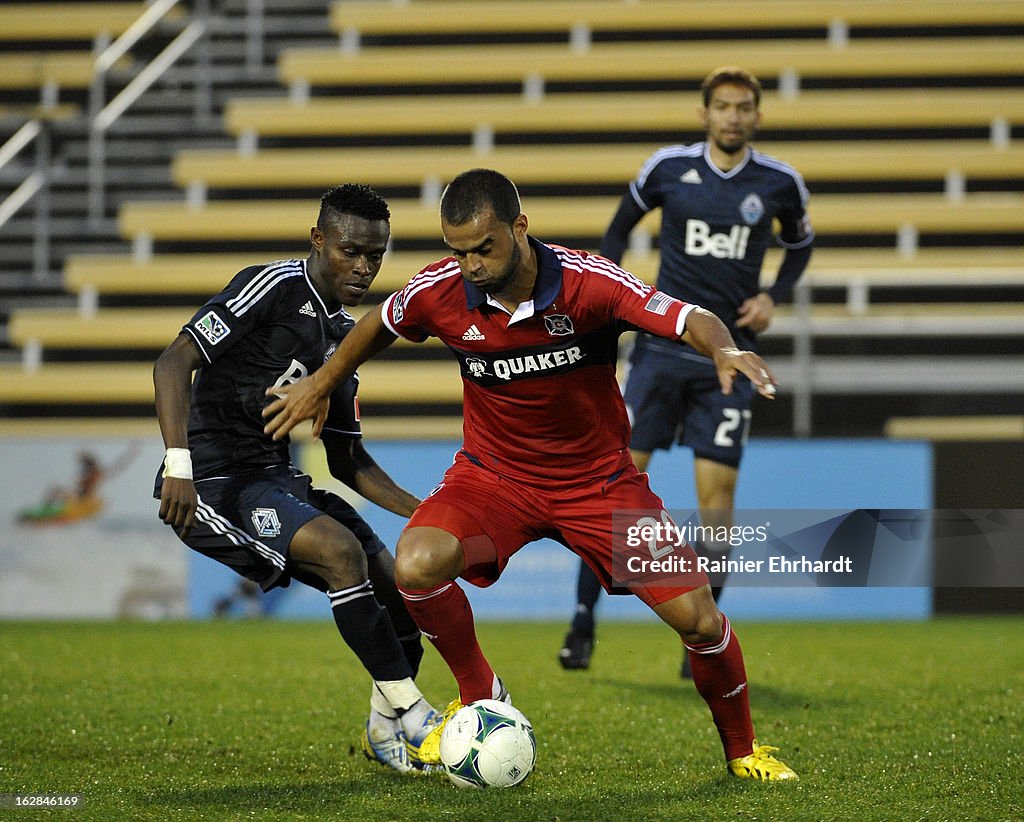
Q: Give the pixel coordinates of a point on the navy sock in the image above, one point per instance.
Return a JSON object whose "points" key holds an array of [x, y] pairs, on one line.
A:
{"points": [[588, 589], [412, 646], [366, 628]]}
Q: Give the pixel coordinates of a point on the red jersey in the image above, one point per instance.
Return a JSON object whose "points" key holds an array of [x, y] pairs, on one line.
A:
{"points": [[541, 401]]}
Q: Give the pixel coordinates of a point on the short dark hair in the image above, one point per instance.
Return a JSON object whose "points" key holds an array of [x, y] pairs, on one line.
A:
{"points": [[477, 191], [353, 198], [730, 74]]}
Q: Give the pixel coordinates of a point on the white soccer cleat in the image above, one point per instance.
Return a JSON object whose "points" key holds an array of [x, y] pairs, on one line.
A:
{"points": [[386, 748]]}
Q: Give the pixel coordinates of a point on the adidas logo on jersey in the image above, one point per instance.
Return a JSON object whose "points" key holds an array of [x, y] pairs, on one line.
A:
{"points": [[307, 309], [473, 333], [691, 176]]}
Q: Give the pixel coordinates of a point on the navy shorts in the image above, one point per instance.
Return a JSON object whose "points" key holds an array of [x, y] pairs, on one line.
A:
{"points": [[673, 396], [248, 522]]}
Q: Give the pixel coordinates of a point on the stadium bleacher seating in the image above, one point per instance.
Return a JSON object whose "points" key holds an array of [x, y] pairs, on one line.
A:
{"points": [[367, 17], [612, 113], [586, 163], [901, 116], [201, 274], [61, 22], [610, 62]]}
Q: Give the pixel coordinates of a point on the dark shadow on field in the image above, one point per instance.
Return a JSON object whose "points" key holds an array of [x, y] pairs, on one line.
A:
{"points": [[763, 695]]}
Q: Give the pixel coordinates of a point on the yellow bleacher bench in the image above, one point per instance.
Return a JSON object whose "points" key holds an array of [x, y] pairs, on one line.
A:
{"points": [[439, 17], [30, 70], [615, 111], [600, 163], [154, 328], [965, 428], [114, 328], [554, 217], [68, 21], [684, 60], [100, 383]]}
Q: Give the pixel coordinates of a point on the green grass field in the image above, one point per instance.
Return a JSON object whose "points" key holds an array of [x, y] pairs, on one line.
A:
{"points": [[260, 720]]}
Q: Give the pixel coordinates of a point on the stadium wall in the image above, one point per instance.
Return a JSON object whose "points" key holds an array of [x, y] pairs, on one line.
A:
{"points": [[119, 561]]}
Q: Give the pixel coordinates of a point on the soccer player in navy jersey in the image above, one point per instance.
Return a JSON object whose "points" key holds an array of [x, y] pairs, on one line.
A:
{"points": [[534, 329], [718, 200], [231, 492]]}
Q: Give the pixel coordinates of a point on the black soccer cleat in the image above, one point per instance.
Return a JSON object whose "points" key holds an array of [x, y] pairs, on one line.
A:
{"points": [[576, 651]]}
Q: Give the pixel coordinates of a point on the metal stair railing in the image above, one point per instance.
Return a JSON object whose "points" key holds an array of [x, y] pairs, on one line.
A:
{"points": [[38, 182], [102, 117]]}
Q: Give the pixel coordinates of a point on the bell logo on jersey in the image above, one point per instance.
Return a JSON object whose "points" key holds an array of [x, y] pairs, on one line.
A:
{"points": [[296, 371], [700, 241]]}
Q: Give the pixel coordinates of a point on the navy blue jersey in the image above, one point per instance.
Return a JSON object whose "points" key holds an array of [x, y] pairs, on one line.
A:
{"points": [[716, 225], [268, 326]]}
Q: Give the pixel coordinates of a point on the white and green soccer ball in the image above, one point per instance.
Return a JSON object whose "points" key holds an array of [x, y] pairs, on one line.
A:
{"points": [[488, 744]]}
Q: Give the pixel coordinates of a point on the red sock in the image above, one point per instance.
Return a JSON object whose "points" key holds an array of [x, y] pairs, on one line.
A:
{"points": [[721, 679], [444, 615]]}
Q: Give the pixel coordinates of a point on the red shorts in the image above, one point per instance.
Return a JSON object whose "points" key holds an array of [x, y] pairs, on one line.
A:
{"points": [[494, 516]]}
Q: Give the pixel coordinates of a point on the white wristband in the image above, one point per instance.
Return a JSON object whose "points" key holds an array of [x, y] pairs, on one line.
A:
{"points": [[178, 463]]}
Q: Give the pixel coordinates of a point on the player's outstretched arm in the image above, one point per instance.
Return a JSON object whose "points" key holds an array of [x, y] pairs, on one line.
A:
{"points": [[350, 462], [308, 398], [708, 334], [172, 383]]}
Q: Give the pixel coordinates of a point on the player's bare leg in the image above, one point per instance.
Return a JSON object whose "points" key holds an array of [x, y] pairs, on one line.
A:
{"points": [[720, 678]]}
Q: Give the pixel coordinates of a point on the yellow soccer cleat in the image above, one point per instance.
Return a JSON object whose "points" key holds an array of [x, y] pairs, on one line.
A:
{"points": [[761, 765], [425, 750]]}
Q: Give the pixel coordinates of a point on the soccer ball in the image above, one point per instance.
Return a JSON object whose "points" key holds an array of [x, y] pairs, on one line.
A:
{"points": [[488, 744]]}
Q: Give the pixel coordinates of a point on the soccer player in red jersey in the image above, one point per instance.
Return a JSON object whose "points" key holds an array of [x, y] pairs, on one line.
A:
{"points": [[545, 452]]}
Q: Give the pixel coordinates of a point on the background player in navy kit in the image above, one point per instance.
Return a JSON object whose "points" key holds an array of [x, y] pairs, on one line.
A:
{"points": [[718, 200], [231, 492]]}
